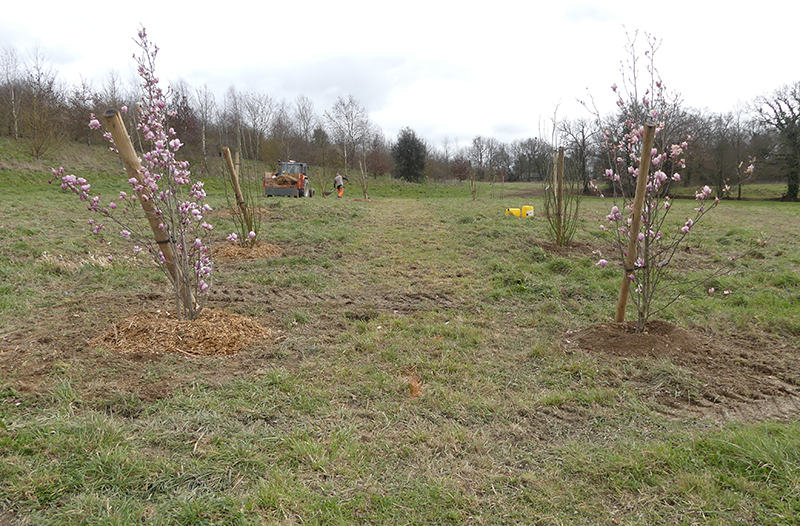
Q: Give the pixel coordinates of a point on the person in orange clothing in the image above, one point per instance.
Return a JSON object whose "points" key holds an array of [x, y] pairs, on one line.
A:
{"points": [[338, 182]]}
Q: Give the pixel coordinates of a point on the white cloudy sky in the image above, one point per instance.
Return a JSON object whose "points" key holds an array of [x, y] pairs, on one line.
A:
{"points": [[497, 68]]}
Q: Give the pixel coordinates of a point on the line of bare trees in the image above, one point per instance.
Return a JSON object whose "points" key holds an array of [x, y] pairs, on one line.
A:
{"points": [[39, 109], [722, 147]]}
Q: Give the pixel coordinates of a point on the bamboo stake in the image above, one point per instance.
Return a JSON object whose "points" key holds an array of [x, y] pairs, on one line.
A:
{"points": [[134, 168], [234, 171], [633, 233]]}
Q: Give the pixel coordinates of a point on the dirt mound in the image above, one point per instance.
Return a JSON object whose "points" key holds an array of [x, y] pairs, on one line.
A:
{"points": [[215, 333], [691, 373]]}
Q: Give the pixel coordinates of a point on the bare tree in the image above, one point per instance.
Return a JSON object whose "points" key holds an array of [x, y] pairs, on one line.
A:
{"points": [[305, 118], [304, 121], [231, 120], [531, 159], [284, 130], [112, 95], [82, 101], [478, 154], [43, 105], [259, 111], [349, 126], [10, 63], [579, 138], [205, 107], [182, 117]]}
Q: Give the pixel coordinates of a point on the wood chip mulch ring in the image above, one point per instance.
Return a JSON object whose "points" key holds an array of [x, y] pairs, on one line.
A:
{"points": [[235, 250], [215, 333]]}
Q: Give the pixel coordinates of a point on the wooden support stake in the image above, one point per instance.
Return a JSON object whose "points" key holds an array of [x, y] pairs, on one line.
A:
{"points": [[134, 169], [636, 221], [363, 179], [237, 190]]}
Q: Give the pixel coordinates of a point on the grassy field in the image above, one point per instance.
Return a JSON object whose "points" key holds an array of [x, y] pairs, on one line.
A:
{"points": [[420, 369]]}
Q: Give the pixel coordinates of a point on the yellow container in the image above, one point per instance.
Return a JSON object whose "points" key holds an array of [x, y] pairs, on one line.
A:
{"points": [[527, 211], [513, 211]]}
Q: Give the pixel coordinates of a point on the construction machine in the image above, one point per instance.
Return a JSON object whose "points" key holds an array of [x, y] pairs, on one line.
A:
{"points": [[291, 180]]}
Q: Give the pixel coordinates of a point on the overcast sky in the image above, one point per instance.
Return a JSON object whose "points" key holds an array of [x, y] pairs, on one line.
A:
{"points": [[499, 68]]}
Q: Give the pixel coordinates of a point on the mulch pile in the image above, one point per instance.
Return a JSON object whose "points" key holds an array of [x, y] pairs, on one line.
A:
{"points": [[215, 333], [235, 250], [282, 180]]}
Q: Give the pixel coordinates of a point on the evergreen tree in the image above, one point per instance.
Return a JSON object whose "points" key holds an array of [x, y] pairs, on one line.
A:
{"points": [[409, 156]]}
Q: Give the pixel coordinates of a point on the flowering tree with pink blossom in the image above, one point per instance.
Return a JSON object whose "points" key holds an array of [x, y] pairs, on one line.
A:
{"points": [[163, 195], [657, 235]]}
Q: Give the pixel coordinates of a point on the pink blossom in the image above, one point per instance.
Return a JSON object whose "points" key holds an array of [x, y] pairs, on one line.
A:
{"points": [[251, 235], [94, 124], [602, 263], [233, 237], [711, 290], [727, 291], [704, 193]]}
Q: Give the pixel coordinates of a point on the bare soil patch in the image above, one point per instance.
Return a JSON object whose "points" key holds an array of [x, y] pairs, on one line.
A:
{"points": [[690, 373]]}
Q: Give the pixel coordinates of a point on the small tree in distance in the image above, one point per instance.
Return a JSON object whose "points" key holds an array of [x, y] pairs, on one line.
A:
{"points": [[409, 156]]}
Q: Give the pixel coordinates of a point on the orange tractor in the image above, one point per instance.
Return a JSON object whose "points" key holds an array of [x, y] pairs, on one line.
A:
{"points": [[291, 180]]}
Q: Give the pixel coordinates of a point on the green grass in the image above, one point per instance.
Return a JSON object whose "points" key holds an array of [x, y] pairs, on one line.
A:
{"points": [[320, 427]]}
